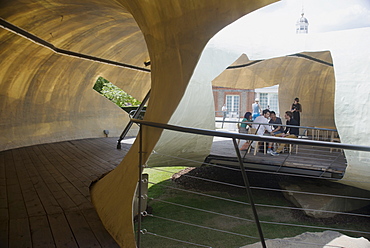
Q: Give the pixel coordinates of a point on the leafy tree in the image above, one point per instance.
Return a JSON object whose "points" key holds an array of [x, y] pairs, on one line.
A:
{"points": [[98, 86], [114, 93]]}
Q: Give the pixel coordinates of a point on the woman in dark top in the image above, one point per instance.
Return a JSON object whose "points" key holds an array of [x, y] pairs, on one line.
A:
{"points": [[296, 110]]}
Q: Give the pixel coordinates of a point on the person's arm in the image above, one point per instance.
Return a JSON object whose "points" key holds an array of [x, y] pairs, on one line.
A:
{"points": [[268, 128], [286, 128], [276, 129], [293, 108], [272, 125], [278, 121]]}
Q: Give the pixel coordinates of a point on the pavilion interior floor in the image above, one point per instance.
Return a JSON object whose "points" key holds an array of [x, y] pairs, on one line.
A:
{"points": [[45, 198]]}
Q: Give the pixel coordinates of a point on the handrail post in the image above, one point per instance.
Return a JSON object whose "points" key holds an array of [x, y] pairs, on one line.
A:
{"points": [[129, 124], [139, 186], [249, 192]]}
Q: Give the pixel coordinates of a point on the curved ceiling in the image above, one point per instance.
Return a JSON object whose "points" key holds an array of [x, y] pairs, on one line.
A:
{"points": [[47, 96]]}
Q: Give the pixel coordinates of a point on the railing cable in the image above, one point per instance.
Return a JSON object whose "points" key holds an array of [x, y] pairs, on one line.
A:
{"points": [[264, 222], [243, 171], [265, 205], [203, 227], [267, 189]]}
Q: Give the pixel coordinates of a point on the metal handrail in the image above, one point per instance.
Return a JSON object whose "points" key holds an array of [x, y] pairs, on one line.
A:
{"points": [[234, 136], [129, 124], [252, 136], [283, 125], [195, 131]]}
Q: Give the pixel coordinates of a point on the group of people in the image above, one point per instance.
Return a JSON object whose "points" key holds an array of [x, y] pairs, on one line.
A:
{"points": [[296, 110], [259, 122]]}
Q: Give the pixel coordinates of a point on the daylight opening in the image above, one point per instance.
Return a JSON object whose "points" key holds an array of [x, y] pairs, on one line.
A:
{"points": [[117, 96]]}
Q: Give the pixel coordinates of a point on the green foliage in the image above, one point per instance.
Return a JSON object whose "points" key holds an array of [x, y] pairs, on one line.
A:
{"points": [[98, 86], [115, 94]]}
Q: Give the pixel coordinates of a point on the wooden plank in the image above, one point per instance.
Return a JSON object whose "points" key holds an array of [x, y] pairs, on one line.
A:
{"points": [[53, 179], [80, 200], [19, 233], [4, 231], [3, 194], [30, 196], [98, 154], [49, 203], [65, 179], [76, 162], [108, 146], [40, 232], [308, 158], [86, 161], [81, 230], [101, 234], [17, 208], [76, 190], [62, 234], [4, 216], [73, 174]]}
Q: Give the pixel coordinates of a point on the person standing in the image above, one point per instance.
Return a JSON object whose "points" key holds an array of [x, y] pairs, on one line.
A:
{"points": [[256, 109], [296, 110], [224, 112]]}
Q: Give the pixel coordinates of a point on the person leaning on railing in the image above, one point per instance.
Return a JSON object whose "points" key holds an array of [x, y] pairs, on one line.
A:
{"points": [[289, 132]]}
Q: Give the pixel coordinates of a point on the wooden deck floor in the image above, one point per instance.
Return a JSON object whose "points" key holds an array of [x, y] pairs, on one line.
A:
{"points": [[44, 193], [308, 160]]}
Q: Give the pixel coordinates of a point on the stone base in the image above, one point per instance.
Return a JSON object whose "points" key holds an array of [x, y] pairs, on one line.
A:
{"points": [[324, 203]]}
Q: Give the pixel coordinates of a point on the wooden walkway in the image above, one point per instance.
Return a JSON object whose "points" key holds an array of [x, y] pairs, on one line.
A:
{"points": [[44, 193], [308, 160]]}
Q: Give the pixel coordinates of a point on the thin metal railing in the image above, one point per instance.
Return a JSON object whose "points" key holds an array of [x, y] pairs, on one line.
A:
{"points": [[249, 192], [314, 130], [252, 136], [234, 136], [282, 125], [129, 124]]}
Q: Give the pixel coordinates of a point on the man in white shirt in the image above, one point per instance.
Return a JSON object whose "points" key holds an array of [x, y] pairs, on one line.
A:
{"points": [[263, 129]]}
